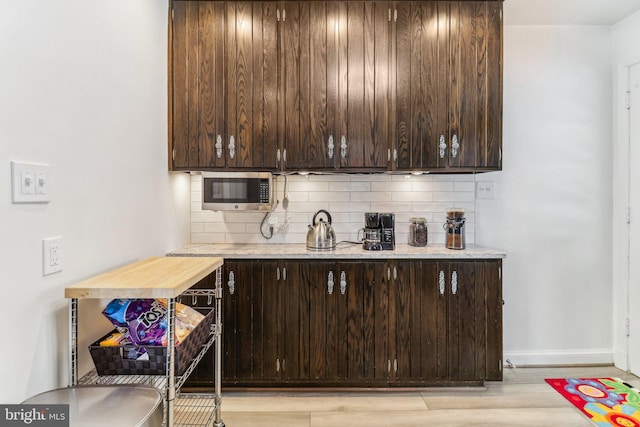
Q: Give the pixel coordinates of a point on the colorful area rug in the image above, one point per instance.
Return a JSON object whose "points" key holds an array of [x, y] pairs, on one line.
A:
{"points": [[606, 401]]}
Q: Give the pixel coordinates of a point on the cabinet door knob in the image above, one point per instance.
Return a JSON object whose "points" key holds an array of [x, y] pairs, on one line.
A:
{"points": [[277, 157], [455, 145], [330, 283], [278, 273], [330, 147], [232, 146], [442, 146], [343, 283], [343, 147], [232, 282], [441, 282], [219, 146], [454, 282]]}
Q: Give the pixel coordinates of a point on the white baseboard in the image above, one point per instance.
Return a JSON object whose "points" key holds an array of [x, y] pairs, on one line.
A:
{"points": [[559, 357]]}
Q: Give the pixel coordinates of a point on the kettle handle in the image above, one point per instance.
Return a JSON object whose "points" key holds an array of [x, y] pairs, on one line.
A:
{"points": [[321, 211]]}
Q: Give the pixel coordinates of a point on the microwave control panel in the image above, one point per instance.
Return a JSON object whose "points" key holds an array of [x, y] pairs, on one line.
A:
{"points": [[264, 190]]}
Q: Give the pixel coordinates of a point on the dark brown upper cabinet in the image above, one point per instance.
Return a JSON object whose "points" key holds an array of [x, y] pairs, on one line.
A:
{"points": [[335, 85], [223, 85], [448, 75], [351, 86]]}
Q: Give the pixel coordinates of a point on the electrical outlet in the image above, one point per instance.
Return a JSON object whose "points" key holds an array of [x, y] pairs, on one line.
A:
{"points": [[51, 255]]}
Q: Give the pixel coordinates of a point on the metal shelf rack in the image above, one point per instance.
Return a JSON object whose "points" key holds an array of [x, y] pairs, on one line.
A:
{"points": [[184, 409]]}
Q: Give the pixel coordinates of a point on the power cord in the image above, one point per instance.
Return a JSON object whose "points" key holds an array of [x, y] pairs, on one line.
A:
{"points": [[270, 227]]}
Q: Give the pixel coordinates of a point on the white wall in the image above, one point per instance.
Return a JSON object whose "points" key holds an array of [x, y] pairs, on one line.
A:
{"points": [[626, 52], [83, 89], [552, 211]]}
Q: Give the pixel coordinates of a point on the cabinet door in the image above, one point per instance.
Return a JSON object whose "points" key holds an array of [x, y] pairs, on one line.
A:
{"points": [[239, 340], [326, 309], [363, 84], [491, 275], [224, 85], [418, 352], [308, 53], [197, 76], [250, 83], [475, 94], [422, 84], [448, 85], [375, 324], [267, 322], [294, 356], [466, 321]]}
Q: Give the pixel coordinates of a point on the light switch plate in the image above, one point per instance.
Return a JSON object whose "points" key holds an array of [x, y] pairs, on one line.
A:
{"points": [[30, 183], [485, 190]]}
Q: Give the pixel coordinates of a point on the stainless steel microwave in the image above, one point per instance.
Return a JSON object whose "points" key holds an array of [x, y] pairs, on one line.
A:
{"points": [[237, 191]]}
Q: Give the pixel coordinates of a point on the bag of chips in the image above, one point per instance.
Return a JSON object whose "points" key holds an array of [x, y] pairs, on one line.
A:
{"points": [[144, 321]]}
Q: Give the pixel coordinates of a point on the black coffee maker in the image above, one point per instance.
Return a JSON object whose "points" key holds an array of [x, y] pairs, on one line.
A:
{"points": [[379, 231]]}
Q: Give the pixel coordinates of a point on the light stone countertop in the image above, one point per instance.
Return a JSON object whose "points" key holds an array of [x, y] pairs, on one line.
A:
{"points": [[343, 251]]}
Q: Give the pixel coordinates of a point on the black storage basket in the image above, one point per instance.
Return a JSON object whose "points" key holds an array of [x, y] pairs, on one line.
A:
{"points": [[112, 360]]}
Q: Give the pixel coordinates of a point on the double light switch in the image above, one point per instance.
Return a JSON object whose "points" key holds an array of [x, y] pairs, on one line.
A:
{"points": [[30, 182]]}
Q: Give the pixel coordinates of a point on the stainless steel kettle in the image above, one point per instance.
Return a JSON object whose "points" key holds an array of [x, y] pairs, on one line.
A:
{"points": [[321, 236]]}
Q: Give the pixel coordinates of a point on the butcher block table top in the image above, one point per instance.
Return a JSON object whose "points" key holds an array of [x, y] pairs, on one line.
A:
{"points": [[157, 277]]}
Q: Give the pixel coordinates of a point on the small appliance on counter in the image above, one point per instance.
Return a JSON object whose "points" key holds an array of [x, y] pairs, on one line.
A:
{"points": [[321, 236], [454, 226], [379, 231]]}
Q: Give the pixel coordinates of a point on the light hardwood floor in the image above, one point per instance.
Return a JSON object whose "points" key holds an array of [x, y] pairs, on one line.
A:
{"points": [[522, 399]]}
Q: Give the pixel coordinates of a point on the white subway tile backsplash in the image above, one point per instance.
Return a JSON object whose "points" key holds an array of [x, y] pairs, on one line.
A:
{"points": [[412, 196], [304, 185], [347, 198], [369, 196], [204, 216], [464, 186], [350, 186], [208, 238], [327, 196], [432, 186]]}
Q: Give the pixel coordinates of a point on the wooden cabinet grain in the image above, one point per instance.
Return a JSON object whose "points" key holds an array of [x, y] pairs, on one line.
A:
{"points": [[362, 323], [449, 86], [336, 85], [223, 85], [265, 340], [448, 321]]}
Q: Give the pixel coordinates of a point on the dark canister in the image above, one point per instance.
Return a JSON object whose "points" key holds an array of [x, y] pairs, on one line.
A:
{"points": [[418, 232]]}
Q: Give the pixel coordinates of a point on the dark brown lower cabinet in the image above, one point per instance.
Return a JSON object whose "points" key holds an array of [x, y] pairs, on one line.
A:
{"points": [[360, 323]]}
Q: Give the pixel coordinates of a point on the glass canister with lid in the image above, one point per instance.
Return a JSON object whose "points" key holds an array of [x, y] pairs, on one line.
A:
{"points": [[418, 232]]}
